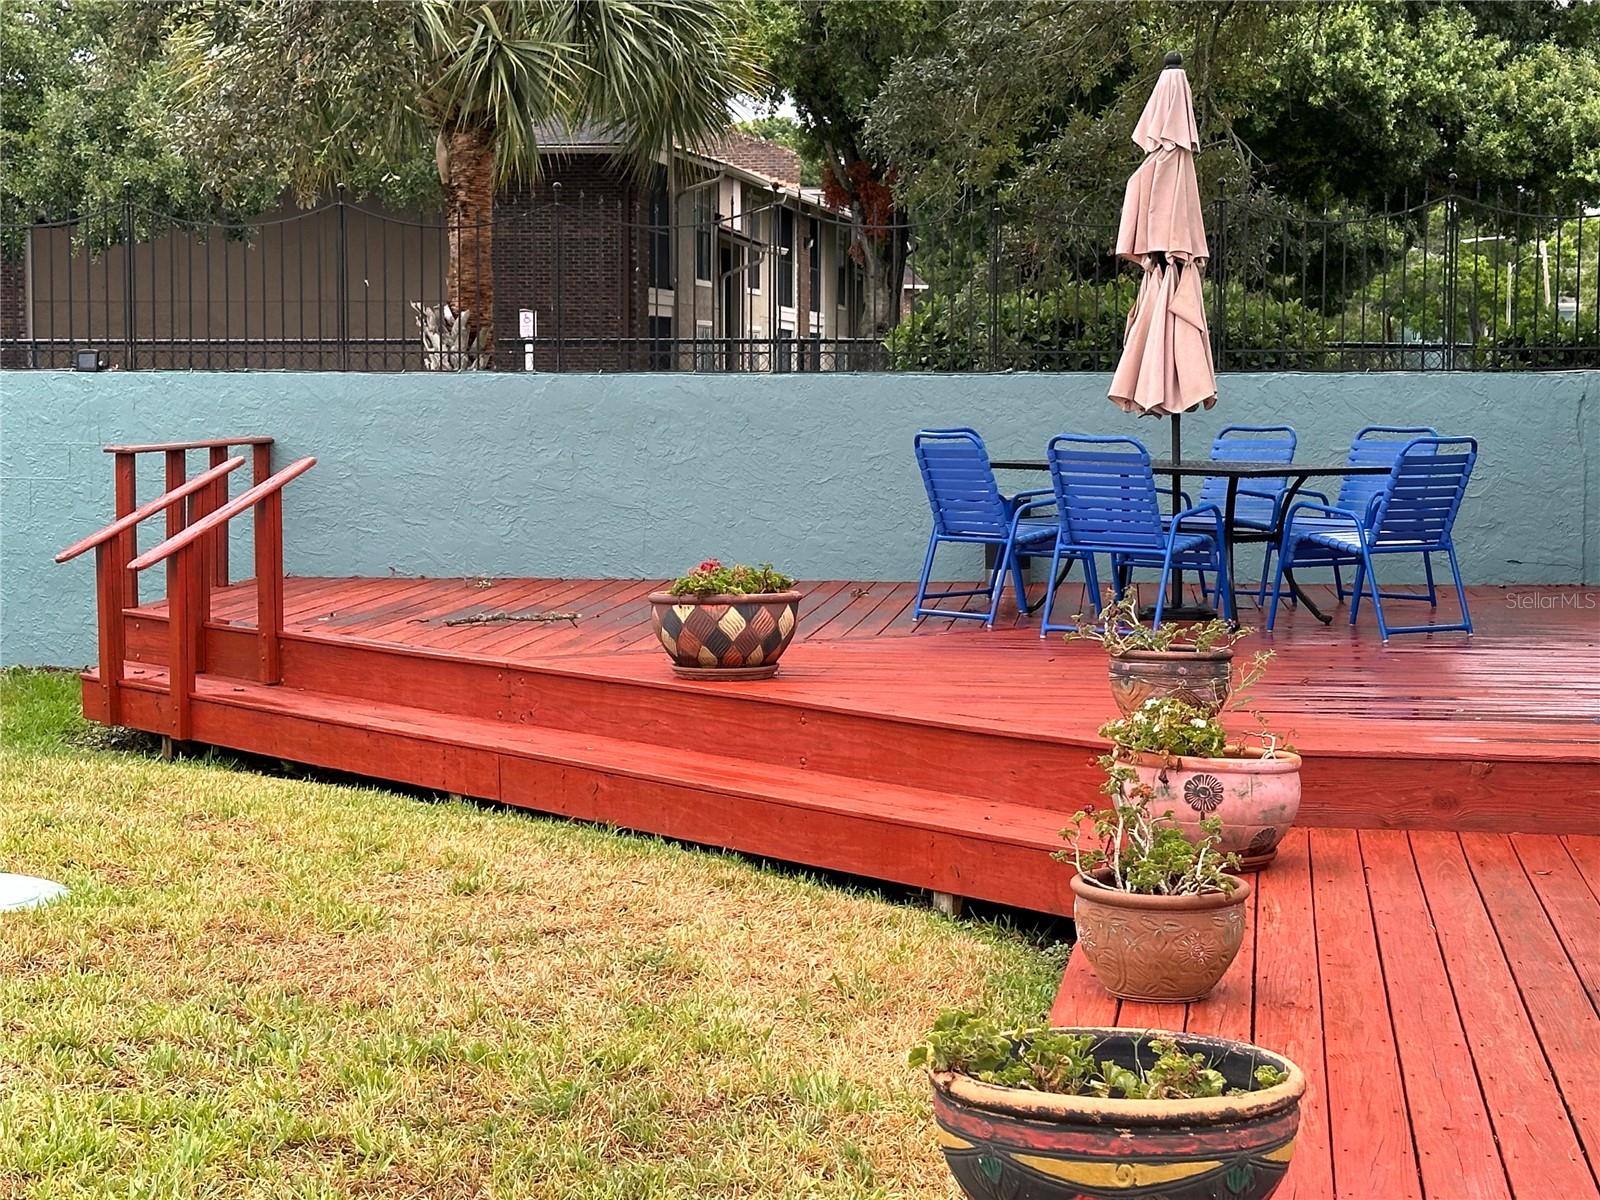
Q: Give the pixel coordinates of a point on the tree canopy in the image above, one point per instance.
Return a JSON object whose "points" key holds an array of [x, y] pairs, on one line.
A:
{"points": [[1032, 102]]}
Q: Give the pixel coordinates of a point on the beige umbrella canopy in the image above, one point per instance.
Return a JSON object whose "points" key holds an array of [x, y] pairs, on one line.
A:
{"points": [[1166, 365]]}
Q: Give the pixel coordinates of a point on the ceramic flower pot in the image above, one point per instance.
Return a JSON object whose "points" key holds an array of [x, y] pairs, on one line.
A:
{"points": [[1254, 796], [1203, 678], [1168, 949], [1012, 1144], [725, 636]]}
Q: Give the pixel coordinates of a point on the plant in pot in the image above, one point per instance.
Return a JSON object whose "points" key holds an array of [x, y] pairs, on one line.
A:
{"points": [[1187, 760], [1159, 915], [1192, 662], [726, 622], [1063, 1114]]}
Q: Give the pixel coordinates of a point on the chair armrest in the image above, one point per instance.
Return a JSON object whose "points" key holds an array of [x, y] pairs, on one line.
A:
{"points": [[1023, 497], [1326, 510], [1197, 510], [1244, 491], [1179, 496], [1029, 506], [1319, 497]]}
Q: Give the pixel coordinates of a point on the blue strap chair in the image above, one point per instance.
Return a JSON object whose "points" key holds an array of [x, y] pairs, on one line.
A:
{"points": [[1413, 512], [1107, 503], [1256, 502], [969, 509], [1376, 446]]}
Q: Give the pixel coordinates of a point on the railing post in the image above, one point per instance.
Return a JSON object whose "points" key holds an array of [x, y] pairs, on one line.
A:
{"points": [[130, 293], [183, 632], [1219, 280], [994, 287], [126, 469], [269, 587], [1452, 253], [342, 288], [110, 571], [555, 246], [219, 497], [176, 471]]}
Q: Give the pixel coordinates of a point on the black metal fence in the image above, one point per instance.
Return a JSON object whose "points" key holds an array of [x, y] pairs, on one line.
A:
{"points": [[609, 283]]}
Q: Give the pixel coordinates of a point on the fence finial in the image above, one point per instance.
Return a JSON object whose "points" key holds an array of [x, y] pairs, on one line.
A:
{"points": [[1174, 59]]}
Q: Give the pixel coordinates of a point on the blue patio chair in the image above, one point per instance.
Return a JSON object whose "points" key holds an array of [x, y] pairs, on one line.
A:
{"points": [[1375, 446], [1413, 512], [1256, 503], [969, 509], [1107, 503]]}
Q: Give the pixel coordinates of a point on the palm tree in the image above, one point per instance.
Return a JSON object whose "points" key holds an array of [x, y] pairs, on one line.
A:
{"points": [[657, 74], [322, 87]]}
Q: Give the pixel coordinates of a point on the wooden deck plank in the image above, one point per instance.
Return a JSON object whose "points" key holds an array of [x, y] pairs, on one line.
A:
{"points": [[1229, 1010], [1563, 1016], [1538, 1143], [1455, 1143], [1573, 909], [1367, 1110], [1288, 1006]]}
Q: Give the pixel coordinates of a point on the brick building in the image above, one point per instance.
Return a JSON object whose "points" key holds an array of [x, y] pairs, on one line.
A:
{"points": [[719, 260]]}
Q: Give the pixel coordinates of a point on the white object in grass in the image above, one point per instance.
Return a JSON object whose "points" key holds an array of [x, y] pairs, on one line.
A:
{"points": [[27, 891]]}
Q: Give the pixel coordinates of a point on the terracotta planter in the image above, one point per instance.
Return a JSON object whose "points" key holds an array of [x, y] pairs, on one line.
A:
{"points": [[724, 636], [1256, 798], [1201, 678], [1010, 1144], [1169, 949]]}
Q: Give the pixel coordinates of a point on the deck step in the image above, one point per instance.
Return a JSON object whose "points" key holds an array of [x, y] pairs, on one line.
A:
{"points": [[945, 841]]}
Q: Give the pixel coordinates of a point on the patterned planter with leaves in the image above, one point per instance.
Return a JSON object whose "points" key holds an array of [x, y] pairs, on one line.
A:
{"points": [[725, 636], [1005, 1143], [1167, 949], [1256, 797], [1203, 678]]}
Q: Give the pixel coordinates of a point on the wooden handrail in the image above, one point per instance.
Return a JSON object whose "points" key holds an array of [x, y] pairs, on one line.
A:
{"points": [[145, 511], [202, 444], [219, 517]]}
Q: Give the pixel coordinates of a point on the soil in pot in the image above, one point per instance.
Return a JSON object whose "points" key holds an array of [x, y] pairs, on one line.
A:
{"points": [[1255, 797], [1005, 1143], [725, 636], [1168, 949], [1203, 678]]}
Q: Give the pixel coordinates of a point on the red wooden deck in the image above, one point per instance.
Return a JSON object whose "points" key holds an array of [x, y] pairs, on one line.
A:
{"points": [[1442, 993], [1427, 946]]}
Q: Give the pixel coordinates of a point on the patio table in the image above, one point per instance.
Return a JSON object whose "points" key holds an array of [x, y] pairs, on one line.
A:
{"points": [[1296, 473]]}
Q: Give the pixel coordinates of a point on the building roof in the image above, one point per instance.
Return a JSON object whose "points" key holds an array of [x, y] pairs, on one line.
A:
{"points": [[768, 161]]}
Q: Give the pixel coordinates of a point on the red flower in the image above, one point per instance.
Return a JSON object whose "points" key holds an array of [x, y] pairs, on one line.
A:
{"points": [[710, 564]]}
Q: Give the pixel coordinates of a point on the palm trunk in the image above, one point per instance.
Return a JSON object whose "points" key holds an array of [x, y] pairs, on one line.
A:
{"points": [[469, 216]]}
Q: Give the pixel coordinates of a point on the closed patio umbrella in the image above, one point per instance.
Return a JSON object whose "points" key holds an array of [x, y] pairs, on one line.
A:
{"points": [[1166, 367]]}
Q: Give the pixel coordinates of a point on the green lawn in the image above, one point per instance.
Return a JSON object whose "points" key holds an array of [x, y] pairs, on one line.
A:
{"points": [[272, 987]]}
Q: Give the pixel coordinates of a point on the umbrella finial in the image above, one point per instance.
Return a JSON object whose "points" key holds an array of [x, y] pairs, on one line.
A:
{"points": [[1174, 59]]}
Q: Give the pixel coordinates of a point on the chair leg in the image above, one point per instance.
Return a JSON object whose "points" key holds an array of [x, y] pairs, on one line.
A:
{"points": [[1019, 581], [1377, 599], [1427, 567], [922, 583], [1338, 582], [1049, 602], [1224, 601], [1461, 591], [1355, 592], [1277, 588], [1161, 590], [997, 581]]}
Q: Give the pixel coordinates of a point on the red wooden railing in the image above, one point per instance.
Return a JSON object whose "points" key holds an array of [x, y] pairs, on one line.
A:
{"points": [[176, 460], [188, 598], [114, 548], [195, 551]]}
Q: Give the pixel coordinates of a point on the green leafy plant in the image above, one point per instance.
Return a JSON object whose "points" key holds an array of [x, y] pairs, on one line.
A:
{"points": [[1048, 1060], [1127, 848], [1119, 629], [711, 578], [1168, 725]]}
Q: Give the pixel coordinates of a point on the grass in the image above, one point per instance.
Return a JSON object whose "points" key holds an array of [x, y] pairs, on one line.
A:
{"points": [[274, 987]]}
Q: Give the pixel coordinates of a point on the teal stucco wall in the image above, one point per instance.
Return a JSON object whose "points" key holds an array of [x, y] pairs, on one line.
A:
{"points": [[637, 475]]}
